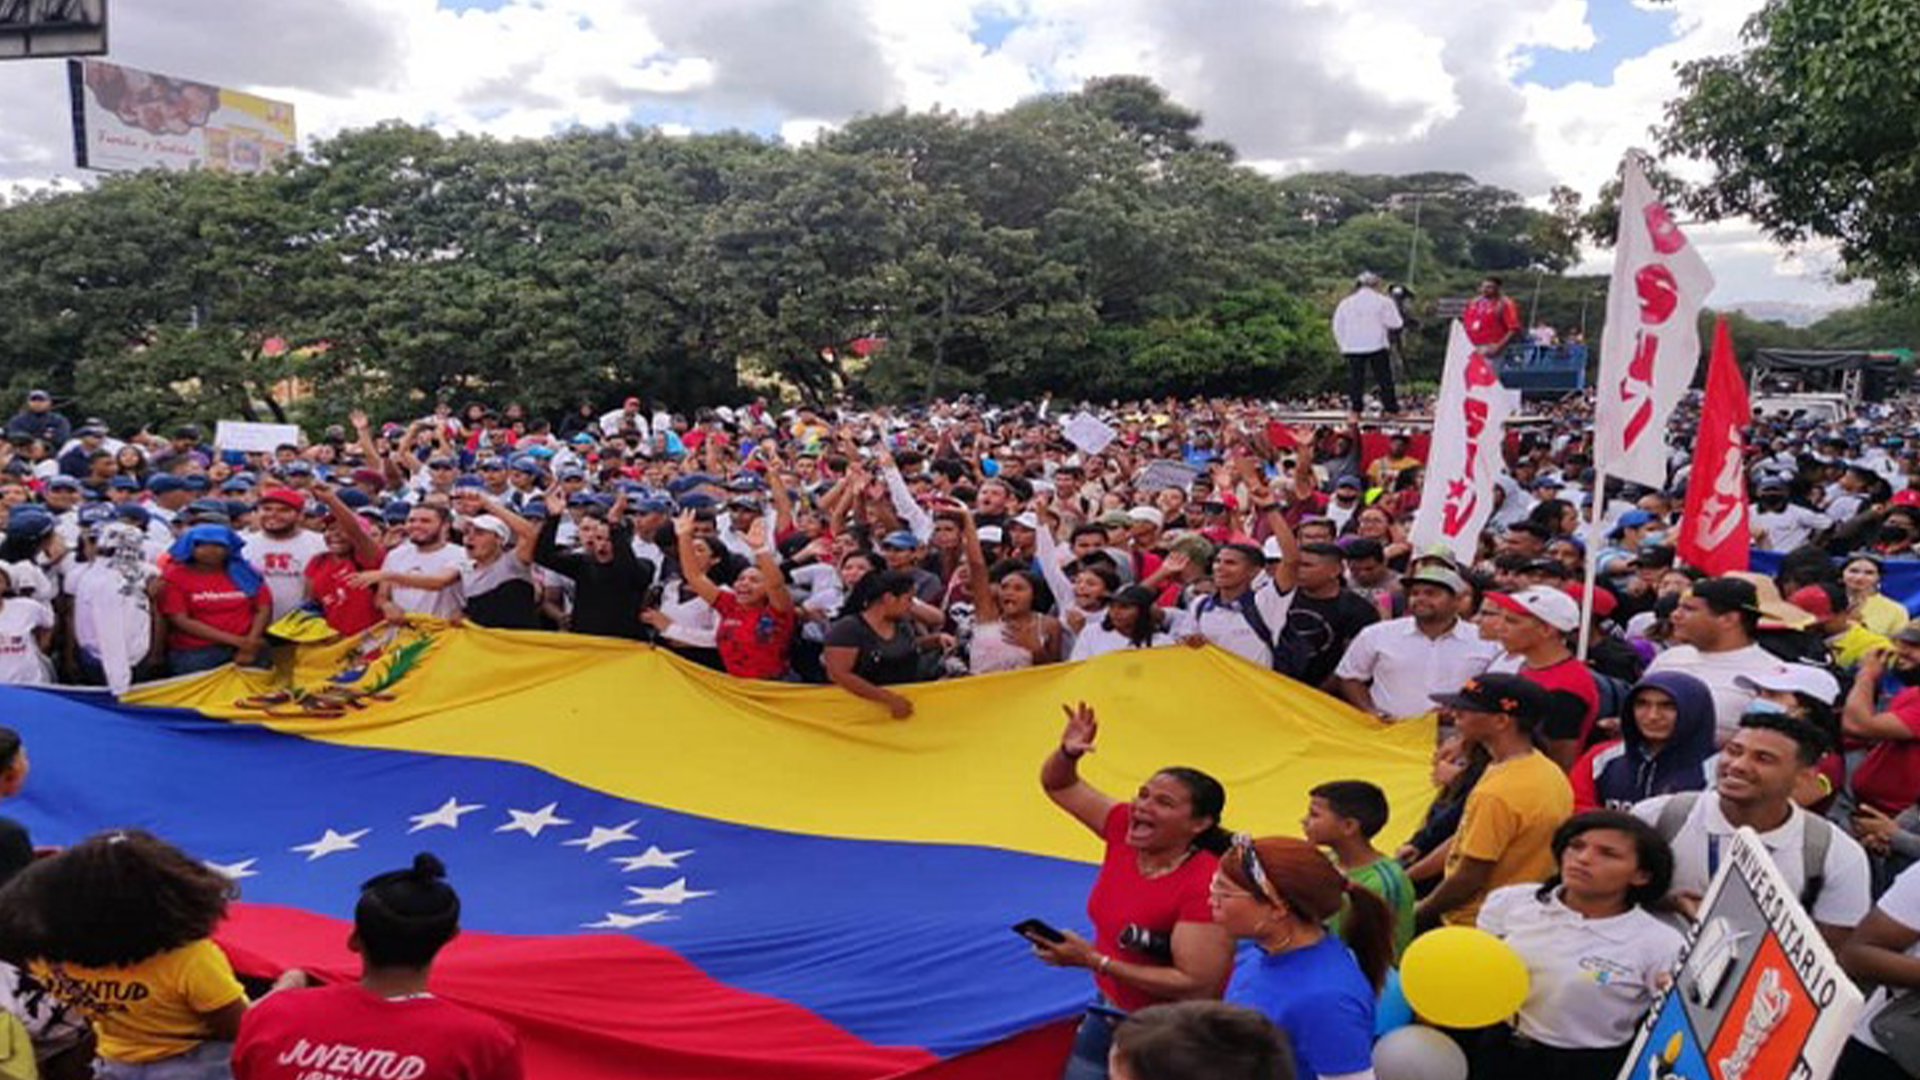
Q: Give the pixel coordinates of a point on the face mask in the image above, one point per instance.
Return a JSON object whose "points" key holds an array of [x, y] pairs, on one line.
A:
{"points": [[1893, 534], [1764, 707], [1772, 502], [1659, 538]]}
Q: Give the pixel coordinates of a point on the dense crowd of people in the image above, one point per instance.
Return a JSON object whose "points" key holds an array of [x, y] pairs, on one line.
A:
{"points": [[1594, 749]]}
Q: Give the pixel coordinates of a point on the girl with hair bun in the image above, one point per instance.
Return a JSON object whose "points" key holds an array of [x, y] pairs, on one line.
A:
{"points": [[402, 921], [1279, 893]]}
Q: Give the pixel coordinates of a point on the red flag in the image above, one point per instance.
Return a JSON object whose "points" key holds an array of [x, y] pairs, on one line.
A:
{"points": [[1714, 533]]}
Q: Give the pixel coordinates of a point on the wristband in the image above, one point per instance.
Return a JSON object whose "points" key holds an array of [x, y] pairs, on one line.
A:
{"points": [[1070, 755], [1105, 963]]}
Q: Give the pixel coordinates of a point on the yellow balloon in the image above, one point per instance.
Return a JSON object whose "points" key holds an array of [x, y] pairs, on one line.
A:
{"points": [[1459, 977]]}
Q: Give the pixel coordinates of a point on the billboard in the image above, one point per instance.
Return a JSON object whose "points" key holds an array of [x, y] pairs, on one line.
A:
{"points": [[126, 119], [31, 29]]}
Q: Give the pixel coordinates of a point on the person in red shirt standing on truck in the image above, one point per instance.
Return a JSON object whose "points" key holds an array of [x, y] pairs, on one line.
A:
{"points": [[1491, 319], [402, 921]]}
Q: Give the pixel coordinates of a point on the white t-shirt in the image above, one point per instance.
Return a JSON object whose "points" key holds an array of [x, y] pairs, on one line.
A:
{"points": [[1718, 670], [1845, 895], [282, 562], [1095, 639], [21, 661], [111, 620], [1226, 626], [440, 603], [1590, 981], [1901, 903], [1788, 528]]}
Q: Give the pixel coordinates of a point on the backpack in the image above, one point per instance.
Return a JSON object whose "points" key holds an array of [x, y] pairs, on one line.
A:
{"points": [[1815, 838], [1291, 656]]}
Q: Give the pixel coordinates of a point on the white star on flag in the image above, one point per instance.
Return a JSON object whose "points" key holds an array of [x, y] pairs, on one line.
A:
{"points": [[236, 870], [617, 921], [600, 837], [331, 843], [676, 893], [448, 815], [652, 858], [532, 821]]}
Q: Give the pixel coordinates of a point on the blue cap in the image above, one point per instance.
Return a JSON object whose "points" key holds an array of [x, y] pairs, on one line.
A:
{"points": [[469, 480], [133, 514], [28, 522], [526, 465], [213, 508], [573, 474], [237, 509], [196, 482], [1632, 519], [653, 504], [441, 462], [581, 439], [355, 498], [124, 483], [163, 483], [237, 485], [682, 484], [93, 515], [297, 467], [63, 482], [901, 541], [492, 463], [696, 500], [582, 498], [534, 511], [396, 512]]}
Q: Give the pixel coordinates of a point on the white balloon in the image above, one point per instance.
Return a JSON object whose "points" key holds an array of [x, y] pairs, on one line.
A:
{"points": [[1417, 1052]]}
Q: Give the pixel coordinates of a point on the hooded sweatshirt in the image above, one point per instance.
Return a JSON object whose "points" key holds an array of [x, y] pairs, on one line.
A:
{"points": [[1622, 772]]}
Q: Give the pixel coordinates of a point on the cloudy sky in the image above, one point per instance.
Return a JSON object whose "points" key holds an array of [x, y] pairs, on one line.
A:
{"points": [[1525, 93]]}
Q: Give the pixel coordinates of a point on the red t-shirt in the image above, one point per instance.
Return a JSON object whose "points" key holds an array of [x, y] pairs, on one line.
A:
{"points": [[1888, 778], [753, 641], [1487, 321], [348, 608], [1122, 898], [345, 1030], [210, 597], [1575, 678]]}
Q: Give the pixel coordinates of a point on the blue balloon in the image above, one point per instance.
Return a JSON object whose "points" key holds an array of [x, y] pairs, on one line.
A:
{"points": [[1392, 1011]]}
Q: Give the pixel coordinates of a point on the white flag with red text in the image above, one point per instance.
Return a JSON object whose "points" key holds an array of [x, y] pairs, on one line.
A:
{"points": [[1469, 421], [1651, 346]]}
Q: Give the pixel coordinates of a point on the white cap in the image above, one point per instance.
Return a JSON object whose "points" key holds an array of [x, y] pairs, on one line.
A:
{"points": [[1797, 678], [1147, 513], [491, 524], [992, 534], [1550, 606], [1271, 549], [1027, 521]]}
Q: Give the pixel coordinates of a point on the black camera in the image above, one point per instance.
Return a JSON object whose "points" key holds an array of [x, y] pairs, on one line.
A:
{"points": [[1136, 938]]}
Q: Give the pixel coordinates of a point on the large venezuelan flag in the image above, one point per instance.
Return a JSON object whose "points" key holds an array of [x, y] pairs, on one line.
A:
{"points": [[673, 874]]}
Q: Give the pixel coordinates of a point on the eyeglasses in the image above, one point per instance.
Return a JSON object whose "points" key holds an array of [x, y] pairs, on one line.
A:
{"points": [[1251, 867]]}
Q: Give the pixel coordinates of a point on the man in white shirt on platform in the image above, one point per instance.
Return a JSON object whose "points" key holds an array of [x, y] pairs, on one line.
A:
{"points": [[1361, 324]]}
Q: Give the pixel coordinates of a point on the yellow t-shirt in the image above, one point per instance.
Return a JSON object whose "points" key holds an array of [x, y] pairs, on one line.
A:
{"points": [[1882, 614], [1853, 643], [151, 1010], [1509, 821]]}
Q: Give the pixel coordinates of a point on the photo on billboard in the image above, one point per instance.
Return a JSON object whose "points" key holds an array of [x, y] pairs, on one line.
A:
{"points": [[125, 119], [37, 29]]}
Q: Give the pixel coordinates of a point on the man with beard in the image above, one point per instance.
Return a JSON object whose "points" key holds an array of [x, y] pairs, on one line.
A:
{"points": [[281, 548], [421, 576]]}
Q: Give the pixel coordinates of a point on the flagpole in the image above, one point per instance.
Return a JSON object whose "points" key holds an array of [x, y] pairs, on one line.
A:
{"points": [[1598, 503]]}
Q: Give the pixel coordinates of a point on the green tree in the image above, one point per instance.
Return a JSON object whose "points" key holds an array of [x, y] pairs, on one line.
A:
{"points": [[1813, 129]]}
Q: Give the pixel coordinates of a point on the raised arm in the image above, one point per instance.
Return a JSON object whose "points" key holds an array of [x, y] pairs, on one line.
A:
{"points": [[526, 534], [366, 549], [691, 571], [986, 606], [911, 512], [1060, 774], [768, 560]]}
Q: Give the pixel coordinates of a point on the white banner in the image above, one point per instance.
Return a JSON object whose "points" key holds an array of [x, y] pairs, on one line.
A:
{"points": [[1088, 433], [1651, 346], [1758, 995], [254, 438], [127, 119], [1468, 422]]}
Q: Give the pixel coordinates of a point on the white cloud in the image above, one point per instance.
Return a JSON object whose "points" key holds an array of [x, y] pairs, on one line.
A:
{"points": [[1425, 85]]}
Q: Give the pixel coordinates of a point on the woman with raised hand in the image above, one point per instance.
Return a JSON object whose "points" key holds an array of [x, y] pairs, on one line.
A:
{"points": [[1154, 936]]}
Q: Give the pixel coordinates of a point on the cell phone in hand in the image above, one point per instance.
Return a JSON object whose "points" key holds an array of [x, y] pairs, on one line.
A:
{"points": [[1037, 930]]}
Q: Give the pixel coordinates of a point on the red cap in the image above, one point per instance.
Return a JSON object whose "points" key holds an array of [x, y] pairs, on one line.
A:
{"points": [[634, 401], [1908, 497], [1813, 600], [1603, 599], [286, 497]]}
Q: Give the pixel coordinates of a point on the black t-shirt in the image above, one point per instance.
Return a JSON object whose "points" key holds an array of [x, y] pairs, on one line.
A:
{"points": [[1321, 630], [881, 661]]}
